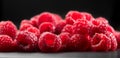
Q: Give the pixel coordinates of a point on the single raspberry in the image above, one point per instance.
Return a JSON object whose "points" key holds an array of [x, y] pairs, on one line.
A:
{"points": [[87, 16], [69, 20], [101, 42], [68, 28], [79, 42], [64, 36], [103, 20], [74, 15], [49, 42], [6, 43], [113, 41], [8, 28], [47, 27], [100, 27], [60, 26], [34, 20], [81, 27], [24, 26], [27, 41], [25, 21], [46, 17], [117, 35], [58, 17], [34, 30]]}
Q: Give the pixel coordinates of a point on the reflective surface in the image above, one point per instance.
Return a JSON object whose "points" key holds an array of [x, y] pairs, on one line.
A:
{"points": [[115, 54]]}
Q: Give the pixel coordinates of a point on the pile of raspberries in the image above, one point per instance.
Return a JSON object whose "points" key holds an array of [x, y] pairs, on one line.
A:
{"points": [[48, 32]]}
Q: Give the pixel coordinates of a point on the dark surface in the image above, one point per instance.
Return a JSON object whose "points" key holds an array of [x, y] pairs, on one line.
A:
{"points": [[115, 54]]}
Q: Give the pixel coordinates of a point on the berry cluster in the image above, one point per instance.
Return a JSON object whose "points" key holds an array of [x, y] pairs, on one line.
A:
{"points": [[48, 32]]}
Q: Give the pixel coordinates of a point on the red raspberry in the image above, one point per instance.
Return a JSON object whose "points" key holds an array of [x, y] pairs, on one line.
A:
{"points": [[87, 16], [24, 26], [60, 26], [81, 26], [47, 27], [70, 20], [79, 42], [101, 42], [58, 17], [65, 36], [34, 21], [68, 28], [25, 21], [27, 41], [113, 41], [34, 30], [46, 17], [6, 43], [100, 27], [103, 20], [117, 35], [75, 15], [49, 42], [8, 28]]}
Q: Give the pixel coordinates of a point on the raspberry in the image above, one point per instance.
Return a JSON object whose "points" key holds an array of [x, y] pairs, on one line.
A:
{"points": [[100, 27], [34, 30], [70, 20], [101, 42], [24, 26], [79, 42], [58, 17], [8, 28], [34, 20], [25, 21], [117, 35], [81, 26], [60, 26], [47, 27], [113, 41], [46, 17], [49, 42], [68, 28], [87, 16], [103, 20], [74, 15], [65, 36], [27, 41], [6, 43]]}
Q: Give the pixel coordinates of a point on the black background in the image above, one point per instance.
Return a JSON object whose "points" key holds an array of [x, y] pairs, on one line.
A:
{"points": [[16, 10]]}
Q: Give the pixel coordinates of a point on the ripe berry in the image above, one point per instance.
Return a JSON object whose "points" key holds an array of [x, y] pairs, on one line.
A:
{"points": [[87, 16], [70, 20], [49, 42], [65, 37], [101, 42], [8, 28], [25, 21], [117, 35], [34, 30], [68, 28], [6, 43], [47, 27], [79, 43], [34, 20], [46, 17], [24, 26], [27, 41], [74, 15], [81, 26], [60, 26], [113, 41]]}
